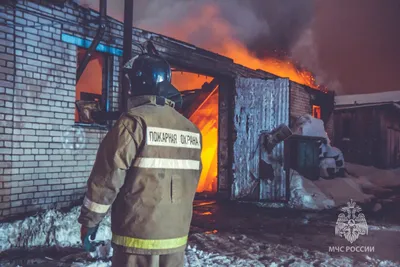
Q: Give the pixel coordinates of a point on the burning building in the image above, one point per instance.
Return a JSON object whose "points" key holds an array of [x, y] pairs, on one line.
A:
{"points": [[47, 151]]}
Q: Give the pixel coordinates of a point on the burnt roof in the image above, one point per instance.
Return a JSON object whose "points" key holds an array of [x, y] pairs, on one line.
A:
{"points": [[189, 57]]}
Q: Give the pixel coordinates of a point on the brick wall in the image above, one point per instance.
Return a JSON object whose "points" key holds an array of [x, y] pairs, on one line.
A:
{"points": [[300, 101], [37, 95], [7, 63]]}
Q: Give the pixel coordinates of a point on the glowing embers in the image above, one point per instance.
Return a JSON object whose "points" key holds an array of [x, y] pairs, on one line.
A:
{"points": [[204, 213], [206, 119]]}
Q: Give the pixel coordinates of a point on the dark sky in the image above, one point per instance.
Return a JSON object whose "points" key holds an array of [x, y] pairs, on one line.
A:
{"points": [[353, 46], [359, 43]]}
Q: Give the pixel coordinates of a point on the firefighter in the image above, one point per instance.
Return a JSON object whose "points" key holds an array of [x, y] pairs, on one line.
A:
{"points": [[146, 170]]}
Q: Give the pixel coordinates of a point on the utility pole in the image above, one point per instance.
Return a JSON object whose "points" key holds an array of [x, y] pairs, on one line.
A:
{"points": [[127, 47]]}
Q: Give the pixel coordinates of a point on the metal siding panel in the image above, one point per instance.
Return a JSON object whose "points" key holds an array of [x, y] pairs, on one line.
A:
{"points": [[279, 114], [260, 105]]}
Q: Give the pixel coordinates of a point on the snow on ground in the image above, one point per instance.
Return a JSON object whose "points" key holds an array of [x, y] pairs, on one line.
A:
{"points": [[223, 249], [51, 228], [55, 228], [324, 194], [375, 177], [305, 194], [341, 190]]}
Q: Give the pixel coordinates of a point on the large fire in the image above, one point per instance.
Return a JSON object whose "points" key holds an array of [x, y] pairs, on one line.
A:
{"points": [[206, 29], [206, 118], [220, 39]]}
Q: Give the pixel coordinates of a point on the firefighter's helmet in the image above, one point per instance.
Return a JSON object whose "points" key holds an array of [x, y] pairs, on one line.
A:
{"points": [[151, 75]]}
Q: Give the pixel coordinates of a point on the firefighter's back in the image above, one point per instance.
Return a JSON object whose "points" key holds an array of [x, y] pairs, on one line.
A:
{"points": [[153, 210]]}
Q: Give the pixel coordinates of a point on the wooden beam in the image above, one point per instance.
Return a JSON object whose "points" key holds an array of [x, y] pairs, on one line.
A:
{"points": [[207, 90]]}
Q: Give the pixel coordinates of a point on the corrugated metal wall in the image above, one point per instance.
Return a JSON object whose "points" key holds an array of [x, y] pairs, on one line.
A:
{"points": [[260, 105]]}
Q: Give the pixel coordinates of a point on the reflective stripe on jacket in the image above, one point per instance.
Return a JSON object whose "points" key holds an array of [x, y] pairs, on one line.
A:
{"points": [[147, 168]]}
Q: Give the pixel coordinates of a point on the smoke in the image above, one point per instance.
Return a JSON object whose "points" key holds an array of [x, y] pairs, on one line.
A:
{"points": [[350, 46], [209, 21], [305, 50], [266, 27]]}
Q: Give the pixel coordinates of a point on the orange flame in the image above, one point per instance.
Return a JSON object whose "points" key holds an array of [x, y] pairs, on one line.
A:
{"points": [[206, 119], [219, 39], [188, 81], [206, 28]]}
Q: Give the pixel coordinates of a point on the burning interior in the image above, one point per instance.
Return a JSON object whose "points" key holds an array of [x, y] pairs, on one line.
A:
{"points": [[201, 107], [202, 102]]}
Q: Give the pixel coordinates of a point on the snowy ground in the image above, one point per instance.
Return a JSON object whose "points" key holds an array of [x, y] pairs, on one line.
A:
{"points": [[221, 236], [365, 184], [237, 235]]}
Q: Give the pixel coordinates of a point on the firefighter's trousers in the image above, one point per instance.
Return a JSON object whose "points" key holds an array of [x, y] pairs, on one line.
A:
{"points": [[122, 259]]}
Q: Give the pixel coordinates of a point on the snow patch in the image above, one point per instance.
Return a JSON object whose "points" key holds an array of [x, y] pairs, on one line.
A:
{"points": [[325, 194], [51, 228], [306, 195], [341, 190], [309, 126], [371, 176]]}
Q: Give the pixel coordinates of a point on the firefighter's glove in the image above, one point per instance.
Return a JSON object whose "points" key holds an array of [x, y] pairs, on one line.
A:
{"points": [[87, 236]]}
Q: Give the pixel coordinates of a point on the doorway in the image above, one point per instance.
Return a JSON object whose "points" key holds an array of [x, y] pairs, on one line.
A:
{"points": [[201, 107]]}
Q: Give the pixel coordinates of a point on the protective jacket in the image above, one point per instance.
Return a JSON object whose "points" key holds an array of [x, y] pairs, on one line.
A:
{"points": [[147, 170]]}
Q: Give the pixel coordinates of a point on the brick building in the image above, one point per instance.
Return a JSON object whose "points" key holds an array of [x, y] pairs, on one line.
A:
{"points": [[46, 154]]}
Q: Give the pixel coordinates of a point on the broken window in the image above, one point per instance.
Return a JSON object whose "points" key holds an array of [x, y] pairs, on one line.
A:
{"points": [[94, 81], [316, 111]]}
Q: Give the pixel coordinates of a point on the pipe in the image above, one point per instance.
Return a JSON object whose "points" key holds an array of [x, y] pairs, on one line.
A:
{"points": [[96, 40], [127, 49]]}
